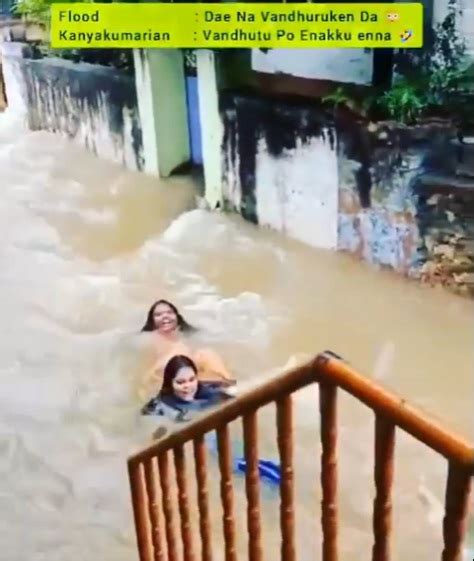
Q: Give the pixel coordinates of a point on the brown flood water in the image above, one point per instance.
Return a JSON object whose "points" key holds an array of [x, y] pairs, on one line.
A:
{"points": [[86, 247]]}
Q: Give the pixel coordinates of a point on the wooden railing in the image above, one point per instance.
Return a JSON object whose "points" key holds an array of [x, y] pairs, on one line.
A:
{"points": [[150, 478]]}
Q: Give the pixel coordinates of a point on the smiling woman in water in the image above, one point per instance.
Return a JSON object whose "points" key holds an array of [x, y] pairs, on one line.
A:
{"points": [[163, 317], [182, 394], [168, 328]]}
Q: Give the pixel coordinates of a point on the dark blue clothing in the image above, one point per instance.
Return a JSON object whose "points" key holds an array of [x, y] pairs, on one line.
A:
{"points": [[178, 410]]}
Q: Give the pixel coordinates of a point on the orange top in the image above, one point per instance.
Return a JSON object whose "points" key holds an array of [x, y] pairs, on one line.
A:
{"points": [[210, 366]]}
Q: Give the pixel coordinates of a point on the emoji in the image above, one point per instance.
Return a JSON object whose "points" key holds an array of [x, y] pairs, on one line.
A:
{"points": [[393, 16], [407, 34]]}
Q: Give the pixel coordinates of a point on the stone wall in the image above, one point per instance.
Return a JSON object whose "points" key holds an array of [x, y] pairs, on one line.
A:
{"points": [[393, 196], [95, 106], [447, 230], [379, 167], [412, 208]]}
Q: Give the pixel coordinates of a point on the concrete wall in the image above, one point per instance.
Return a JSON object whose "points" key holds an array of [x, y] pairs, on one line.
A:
{"points": [[161, 92], [344, 185], [96, 106], [380, 167], [338, 65], [139, 121], [211, 125], [280, 167], [21, 31]]}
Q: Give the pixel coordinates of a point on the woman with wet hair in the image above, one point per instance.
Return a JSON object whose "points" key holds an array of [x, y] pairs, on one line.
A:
{"points": [[169, 327], [163, 314], [182, 394]]}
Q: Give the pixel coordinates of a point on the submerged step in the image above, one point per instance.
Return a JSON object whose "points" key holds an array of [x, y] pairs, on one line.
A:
{"points": [[456, 158], [464, 152], [448, 182]]}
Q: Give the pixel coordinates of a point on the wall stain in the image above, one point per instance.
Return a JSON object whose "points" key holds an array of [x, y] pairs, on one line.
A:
{"points": [[354, 144], [281, 122], [59, 92], [401, 203]]}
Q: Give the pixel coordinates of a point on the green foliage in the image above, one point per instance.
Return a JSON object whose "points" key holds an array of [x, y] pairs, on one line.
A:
{"points": [[439, 72], [37, 10], [434, 81], [338, 97], [443, 50], [404, 102]]}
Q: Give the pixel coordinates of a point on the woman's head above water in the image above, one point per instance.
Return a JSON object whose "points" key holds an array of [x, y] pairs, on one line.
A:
{"points": [[180, 379], [164, 317]]}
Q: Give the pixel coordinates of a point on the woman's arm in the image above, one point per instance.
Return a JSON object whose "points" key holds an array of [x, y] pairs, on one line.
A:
{"points": [[231, 391], [211, 366], [153, 407], [150, 384]]}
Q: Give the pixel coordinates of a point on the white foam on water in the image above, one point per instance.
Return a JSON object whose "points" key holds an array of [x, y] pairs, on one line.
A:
{"points": [[383, 367]]}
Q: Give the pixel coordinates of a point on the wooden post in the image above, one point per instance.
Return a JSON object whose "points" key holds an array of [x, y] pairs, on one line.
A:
{"points": [[285, 447], [163, 466], [252, 485], [154, 510], [139, 503], [200, 462], [458, 489], [186, 535], [227, 491], [328, 412], [383, 474]]}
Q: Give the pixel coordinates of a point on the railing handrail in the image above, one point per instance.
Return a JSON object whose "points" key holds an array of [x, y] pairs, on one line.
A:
{"points": [[386, 403], [328, 369], [259, 396]]}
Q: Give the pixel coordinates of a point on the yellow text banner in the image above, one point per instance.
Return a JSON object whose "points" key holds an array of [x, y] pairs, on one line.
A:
{"points": [[236, 25]]}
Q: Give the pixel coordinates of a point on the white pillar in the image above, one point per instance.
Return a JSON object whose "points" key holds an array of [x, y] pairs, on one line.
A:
{"points": [[161, 93], [212, 129]]}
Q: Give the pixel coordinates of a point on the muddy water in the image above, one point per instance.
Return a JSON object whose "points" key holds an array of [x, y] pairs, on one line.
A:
{"points": [[85, 249]]}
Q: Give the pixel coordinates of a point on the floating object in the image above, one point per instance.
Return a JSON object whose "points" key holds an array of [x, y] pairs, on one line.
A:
{"points": [[268, 470]]}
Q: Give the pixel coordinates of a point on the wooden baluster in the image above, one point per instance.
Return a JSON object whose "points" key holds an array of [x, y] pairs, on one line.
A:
{"points": [[329, 522], [154, 510], [227, 492], [139, 503], [200, 461], [252, 485], [186, 534], [458, 489], [383, 475], [167, 499], [285, 447]]}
